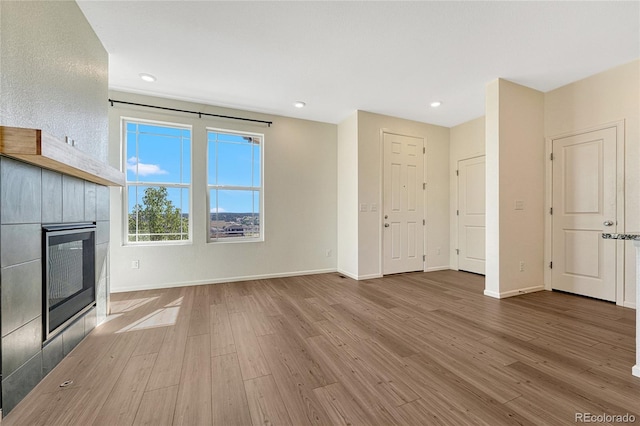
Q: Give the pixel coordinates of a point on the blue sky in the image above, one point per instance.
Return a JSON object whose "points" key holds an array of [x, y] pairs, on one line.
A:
{"points": [[163, 154]]}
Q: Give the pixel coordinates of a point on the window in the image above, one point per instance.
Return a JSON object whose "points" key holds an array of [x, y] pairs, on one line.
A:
{"points": [[158, 164], [235, 185]]}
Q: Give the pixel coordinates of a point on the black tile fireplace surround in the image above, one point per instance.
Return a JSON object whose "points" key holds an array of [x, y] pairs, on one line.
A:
{"points": [[30, 198]]}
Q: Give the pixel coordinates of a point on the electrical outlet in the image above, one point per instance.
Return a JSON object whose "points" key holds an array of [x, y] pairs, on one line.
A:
{"points": [[521, 266], [328, 252], [438, 251], [135, 264]]}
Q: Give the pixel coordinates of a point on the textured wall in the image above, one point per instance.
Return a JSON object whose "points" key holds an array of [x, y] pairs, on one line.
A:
{"points": [[53, 73]]}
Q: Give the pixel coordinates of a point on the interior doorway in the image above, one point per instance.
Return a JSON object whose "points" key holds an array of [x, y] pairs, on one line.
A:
{"points": [[471, 215], [584, 205], [403, 204]]}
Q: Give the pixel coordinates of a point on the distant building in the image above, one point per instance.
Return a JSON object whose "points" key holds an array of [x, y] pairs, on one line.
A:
{"points": [[234, 230]]}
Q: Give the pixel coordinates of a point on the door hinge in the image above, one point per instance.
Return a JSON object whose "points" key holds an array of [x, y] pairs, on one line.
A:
{"points": [[424, 150], [550, 265], [424, 185], [457, 212], [457, 251], [551, 156], [551, 210], [457, 173], [424, 222], [424, 257]]}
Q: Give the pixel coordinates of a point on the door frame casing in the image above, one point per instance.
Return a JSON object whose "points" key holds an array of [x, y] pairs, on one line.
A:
{"points": [[619, 125], [384, 131]]}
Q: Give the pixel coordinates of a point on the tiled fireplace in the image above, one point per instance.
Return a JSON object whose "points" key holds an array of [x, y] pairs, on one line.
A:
{"points": [[31, 197]]}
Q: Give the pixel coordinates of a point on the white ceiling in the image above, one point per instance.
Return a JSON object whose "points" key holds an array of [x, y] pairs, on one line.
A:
{"points": [[387, 57]]}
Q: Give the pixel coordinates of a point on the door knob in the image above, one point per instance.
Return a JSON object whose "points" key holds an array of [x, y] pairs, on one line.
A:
{"points": [[386, 225], [608, 223]]}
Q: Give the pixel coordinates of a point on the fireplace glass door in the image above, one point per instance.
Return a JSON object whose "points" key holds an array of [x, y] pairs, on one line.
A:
{"points": [[68, 274]]}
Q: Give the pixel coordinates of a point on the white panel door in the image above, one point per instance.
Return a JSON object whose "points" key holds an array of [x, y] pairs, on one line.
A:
{"points": [[584, 206], [471, 215], [403, 232]]}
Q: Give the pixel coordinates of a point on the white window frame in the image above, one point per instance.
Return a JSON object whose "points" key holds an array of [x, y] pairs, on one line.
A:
{"points": [[259, 189], [125, 192]]}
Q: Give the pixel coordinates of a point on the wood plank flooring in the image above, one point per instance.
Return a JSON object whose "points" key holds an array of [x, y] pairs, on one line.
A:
{"points": [[410, 349]]}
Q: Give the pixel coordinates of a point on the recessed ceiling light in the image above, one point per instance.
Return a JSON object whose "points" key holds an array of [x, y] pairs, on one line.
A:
{"points": [[436, 104], [147, 77], [299, 104]]}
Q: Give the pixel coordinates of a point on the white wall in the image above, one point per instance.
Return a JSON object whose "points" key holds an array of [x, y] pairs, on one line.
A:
{"points": [[515, 171], [348, 196], [492, 181], [370, 127], [300, 201], [467, 140], [600, 99]]}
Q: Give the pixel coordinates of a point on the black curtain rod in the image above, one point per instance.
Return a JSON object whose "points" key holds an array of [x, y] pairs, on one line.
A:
{"points": [[200, 114]]}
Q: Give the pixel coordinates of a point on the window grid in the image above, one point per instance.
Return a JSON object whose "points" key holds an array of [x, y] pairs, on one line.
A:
{"points": [[234, 231], [181, 234]]}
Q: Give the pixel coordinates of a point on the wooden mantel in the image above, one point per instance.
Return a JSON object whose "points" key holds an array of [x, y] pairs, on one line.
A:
{"points": [[36, 147]]}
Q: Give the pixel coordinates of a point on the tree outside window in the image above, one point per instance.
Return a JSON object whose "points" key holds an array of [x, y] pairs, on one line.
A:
{"points": [[158, 163]]}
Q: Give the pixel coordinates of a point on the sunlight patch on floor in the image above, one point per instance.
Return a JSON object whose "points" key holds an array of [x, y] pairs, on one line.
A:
{"points": [[122, 306], [176, 302], [164, 317], [111, 318]]}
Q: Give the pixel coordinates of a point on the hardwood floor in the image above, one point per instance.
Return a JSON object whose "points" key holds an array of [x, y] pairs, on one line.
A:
{"points": [[411, 349]]}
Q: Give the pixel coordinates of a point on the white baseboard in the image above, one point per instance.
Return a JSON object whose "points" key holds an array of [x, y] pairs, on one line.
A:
{"points": [[629, 305], [369, 277], [437, 268], [219, 280], [491, 294], [636, 370], [511, 293], [359, 277], [373, 276], [520, 291], [348, 274]]}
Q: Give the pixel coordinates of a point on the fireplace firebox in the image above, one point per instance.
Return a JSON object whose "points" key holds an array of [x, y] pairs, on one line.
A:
{"points": [[68, 274]]}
